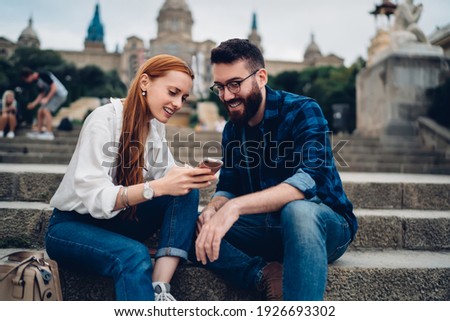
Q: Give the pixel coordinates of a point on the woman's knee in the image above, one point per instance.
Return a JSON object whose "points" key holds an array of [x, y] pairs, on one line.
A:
{"points": [[190, 199], [136, 258], [193, 195]]}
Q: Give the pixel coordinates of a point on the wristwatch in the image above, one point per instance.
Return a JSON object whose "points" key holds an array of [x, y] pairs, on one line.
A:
{"points": [[148, 191]]}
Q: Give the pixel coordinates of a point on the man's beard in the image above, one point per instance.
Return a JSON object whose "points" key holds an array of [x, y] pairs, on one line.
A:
{"points": [[250, 107]]}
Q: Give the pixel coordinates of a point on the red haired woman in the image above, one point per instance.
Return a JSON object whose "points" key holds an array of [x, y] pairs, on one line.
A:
{"points": [[122, 185]]}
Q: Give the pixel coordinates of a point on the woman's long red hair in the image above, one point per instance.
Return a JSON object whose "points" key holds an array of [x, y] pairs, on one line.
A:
{"points": [[135, 124]]}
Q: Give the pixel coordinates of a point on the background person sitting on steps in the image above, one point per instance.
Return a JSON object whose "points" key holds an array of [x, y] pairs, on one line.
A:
{"points": [[52, 94], [9, 112]]}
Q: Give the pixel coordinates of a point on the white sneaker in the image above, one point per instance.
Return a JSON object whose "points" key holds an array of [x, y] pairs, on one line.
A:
{"points": [[45, 136], [2, 133], [10, 135], [162, 291], [32, 134]]}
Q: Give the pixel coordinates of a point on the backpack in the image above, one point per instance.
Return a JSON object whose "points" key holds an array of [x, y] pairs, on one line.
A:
{"points": [[65, 125]]}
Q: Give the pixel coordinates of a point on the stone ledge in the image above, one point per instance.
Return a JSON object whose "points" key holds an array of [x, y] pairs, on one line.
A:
{"points": [[24, 224], [364, 275], [380, 276], [432, 192]]}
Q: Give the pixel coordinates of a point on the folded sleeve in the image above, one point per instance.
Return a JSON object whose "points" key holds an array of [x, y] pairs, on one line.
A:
{"points": [[303, 182]]}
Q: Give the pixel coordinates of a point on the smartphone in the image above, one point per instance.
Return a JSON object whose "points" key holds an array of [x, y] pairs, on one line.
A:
{"points": [[211, 163]]}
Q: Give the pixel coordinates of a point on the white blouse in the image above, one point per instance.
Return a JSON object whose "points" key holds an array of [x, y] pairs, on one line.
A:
{"points": [[88, 186]]}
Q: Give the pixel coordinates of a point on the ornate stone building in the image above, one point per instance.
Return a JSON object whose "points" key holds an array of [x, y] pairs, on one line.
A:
{"points": [[27, 38], [441, 37], [174, 36], [313, 57]]}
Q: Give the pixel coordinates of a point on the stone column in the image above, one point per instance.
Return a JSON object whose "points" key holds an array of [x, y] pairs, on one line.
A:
{"points": [[391, 92]]}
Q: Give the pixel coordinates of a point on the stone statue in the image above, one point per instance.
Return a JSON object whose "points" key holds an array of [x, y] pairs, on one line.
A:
{"points": [[407, 15]]}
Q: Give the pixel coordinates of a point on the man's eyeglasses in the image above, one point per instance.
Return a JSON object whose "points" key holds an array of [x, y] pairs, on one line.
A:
{"points": [[233, 87]]}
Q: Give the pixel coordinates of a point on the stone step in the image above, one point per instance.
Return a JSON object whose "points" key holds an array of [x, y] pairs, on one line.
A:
{"points": [[189, 135], [375, 167], [389, 150], [190, 147], [354, 158], [194, 158], [357, 276], [37, 183], [61, 142], [402, 229], [348, 154], [30, 147], [35, 158], [25, 223], [72, 141], [38, 152]]}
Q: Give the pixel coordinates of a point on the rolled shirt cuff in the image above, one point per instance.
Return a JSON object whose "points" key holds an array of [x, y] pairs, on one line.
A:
{"points": [[304, 183]]}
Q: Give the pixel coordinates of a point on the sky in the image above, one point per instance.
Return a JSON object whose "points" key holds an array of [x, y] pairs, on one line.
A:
{"points": [[342, 27]]}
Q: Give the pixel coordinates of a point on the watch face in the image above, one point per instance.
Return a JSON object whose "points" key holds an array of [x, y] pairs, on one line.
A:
{"points": [[148, 191], [148, 194]]}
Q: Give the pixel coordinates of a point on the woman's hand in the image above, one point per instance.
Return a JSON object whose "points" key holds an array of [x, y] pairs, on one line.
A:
{"points": [[181, 180]]}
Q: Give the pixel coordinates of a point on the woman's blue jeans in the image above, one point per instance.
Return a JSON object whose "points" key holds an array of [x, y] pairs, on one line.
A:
{"points": [[305, 236], [114, 247]]}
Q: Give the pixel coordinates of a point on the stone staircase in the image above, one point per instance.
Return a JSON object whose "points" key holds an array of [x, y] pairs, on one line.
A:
{"points": [[401, 252], [352, 153]]}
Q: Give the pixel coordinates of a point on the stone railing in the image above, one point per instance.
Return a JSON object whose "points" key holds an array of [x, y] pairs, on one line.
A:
{"points": [[434, 135]]}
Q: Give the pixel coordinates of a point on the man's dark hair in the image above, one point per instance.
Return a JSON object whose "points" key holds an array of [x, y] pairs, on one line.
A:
{"points": [[25, 72], [234, 50]]}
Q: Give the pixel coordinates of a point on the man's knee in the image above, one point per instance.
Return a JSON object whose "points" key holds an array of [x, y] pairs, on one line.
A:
{"points": [[301, 216]]}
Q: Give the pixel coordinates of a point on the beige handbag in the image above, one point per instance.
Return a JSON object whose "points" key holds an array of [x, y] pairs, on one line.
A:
{"points": [[28, 276]]}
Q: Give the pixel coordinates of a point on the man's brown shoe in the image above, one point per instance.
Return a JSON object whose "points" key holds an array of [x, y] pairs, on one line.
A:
{"points": [[272, 281]]}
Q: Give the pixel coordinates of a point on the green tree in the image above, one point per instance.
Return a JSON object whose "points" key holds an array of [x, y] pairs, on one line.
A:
{"points": [[94, 82], [36, 59], [6, 71], [327, 85]]}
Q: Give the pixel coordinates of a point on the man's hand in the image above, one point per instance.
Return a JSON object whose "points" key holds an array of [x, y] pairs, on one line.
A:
{"points": [[31, 105], [213, 230], [208, 212]]}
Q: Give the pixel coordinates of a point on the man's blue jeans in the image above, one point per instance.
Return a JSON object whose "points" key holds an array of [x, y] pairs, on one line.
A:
{"points": [[113, 247], [305, 236]]}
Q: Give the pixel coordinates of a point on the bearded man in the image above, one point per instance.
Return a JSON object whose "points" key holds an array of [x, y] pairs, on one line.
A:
{"points": [[279, 214]]}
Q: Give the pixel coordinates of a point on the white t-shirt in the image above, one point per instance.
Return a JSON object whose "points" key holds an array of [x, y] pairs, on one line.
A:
{"points": [[88, 186]]}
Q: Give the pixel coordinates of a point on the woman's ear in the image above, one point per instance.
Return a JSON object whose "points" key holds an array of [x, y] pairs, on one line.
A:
{"points": [[144, 81]]}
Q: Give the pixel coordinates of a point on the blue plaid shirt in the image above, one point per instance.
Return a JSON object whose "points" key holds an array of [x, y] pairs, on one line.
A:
{"points": [[294, 148]]}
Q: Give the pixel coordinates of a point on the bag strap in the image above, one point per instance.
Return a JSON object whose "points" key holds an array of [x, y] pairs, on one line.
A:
{"points": [[20, 266], [23, 255]]}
